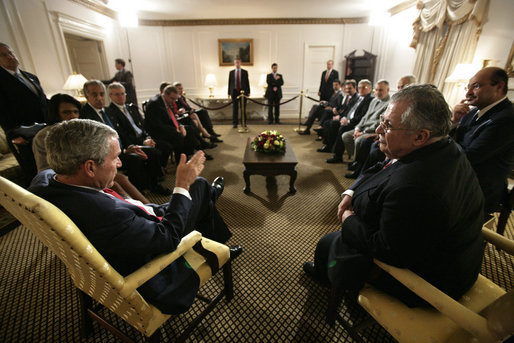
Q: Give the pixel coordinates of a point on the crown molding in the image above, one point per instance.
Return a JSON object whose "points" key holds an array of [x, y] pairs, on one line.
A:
{"points": [[402, 6], [97, 6], [253, 21]]}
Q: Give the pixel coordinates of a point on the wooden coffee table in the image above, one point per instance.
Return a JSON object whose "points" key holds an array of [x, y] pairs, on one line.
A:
{"points": [[258, 163]]}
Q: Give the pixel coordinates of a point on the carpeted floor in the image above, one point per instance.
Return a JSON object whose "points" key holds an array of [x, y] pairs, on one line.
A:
{"points": [[274, 301]]}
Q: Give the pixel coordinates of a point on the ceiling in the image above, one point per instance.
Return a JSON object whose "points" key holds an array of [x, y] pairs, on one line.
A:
{"points": [[242, 9]]}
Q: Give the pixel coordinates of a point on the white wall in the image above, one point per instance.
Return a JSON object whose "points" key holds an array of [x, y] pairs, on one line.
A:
{"points": [[34, 28]]}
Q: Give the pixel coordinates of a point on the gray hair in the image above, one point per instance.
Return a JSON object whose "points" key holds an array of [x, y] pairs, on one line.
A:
{"points": [[384, 81], [177, 83], [426, 109], [71, 143], [367, 82], [115, 85], [411, 79], [92, 82]]}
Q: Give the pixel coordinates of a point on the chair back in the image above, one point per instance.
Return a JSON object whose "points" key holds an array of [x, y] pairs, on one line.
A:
{"points": [[143, 106], [89, 271]]}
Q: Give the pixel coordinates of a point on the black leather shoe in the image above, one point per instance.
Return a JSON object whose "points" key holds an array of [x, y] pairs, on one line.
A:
{"points": [[319, 129], [234, 126], [235, 251], [208, 157], [324, 148], [310, 270], [219, 185], [353, 165], [159, 189], [206, 145], [215, 134], [304, 132], [319, 139], [215, 139], [334, 160], [277, 122], [353, 175], [270, 122]]}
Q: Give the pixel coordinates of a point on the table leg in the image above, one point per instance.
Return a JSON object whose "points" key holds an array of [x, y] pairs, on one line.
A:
{"points": [[293, 175], [246, 176]]}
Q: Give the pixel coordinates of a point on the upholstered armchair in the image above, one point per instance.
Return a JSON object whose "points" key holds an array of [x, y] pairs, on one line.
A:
{"points": [[484, 314], [96, 279]]}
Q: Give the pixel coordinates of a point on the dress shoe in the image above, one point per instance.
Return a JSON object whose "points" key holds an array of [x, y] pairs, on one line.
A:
{"points": [[159, 189], [215, 139], [208, 157], [353, 175], [319, 139], [304, 132], [319, 129], [270, 122], [334, 160], [277, 122], [206, 145], [219, 185], [324, 148], [234, 126], [235, 251], [310, 270], [352, 166], [215, 134]]}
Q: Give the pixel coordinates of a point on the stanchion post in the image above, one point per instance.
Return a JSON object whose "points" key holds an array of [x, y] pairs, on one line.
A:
{"points": [[298, 129], [243, 128]]}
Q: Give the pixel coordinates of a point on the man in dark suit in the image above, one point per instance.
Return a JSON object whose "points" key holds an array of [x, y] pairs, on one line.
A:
{"points": [[126, 78], [130, 124], [143, 169], [274, 93], [129, 235], [350, 120], [318, 111], [411, 213], [327, 77], [486, 132], [237, 82], [22, 103]]}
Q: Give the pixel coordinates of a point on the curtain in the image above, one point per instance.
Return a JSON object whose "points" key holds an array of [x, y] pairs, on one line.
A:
{"points": [[446, 33]]}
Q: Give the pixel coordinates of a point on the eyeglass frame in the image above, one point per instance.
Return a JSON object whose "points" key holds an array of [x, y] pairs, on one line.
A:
{"points": [[387, 129], [477, 85]]}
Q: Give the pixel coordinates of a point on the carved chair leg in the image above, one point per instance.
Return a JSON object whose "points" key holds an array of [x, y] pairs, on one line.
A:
{"points": [[86, 323]]}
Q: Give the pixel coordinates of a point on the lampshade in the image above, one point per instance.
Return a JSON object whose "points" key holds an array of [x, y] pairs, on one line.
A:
{"points": [[210, 80], [262, 80], [74, 82], [462, 73]]}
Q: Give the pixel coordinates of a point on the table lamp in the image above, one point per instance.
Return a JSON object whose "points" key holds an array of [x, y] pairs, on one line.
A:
{"points": [[210, 81], [262, 82], [75, 82]]}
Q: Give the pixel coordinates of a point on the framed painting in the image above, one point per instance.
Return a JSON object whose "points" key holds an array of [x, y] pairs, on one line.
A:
{"points": [[232, 48]]}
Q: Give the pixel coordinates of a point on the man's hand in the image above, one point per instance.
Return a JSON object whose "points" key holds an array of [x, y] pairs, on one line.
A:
{"points": [[181, 129], [343, 121], [344, 205], [319, 93], [132, 149], [149, 142], [336, 117], [187, 172], [460, 111], [181, 110], [346, 214], [334, 110], [357, 134], [20, 141]]}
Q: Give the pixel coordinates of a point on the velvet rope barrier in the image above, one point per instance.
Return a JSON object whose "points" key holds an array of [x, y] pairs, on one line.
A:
{"points": [[263, 104], [210, 108]]}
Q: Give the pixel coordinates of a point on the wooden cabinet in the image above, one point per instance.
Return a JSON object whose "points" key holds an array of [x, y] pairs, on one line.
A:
{"points": [[360, 67]]}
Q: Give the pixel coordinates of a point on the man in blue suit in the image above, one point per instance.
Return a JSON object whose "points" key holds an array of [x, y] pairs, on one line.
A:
{"points": [[485, 130], [84, 155]]}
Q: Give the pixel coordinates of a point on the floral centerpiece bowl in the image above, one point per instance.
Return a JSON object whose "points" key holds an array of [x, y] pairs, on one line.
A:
{"points": [[269, 141]]}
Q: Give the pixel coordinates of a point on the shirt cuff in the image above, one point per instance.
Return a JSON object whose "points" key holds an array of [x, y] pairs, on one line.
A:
{"points": [[348, 192], [183, 191]]}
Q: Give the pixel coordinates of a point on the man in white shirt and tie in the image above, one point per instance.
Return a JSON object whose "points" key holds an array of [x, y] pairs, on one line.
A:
{"points": [[327, 77], [237, 82]]}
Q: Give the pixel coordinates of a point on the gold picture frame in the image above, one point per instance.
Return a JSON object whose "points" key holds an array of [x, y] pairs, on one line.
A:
{"points": [[509, 65], [228, 49]]}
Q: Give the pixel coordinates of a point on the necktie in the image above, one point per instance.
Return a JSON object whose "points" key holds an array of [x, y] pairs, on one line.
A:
{"points": [[22, 80], [137, 130], [348, 99], [106, 119], [238, 83], [116, 195], [326, 75], [172, 116], [389, 162]]}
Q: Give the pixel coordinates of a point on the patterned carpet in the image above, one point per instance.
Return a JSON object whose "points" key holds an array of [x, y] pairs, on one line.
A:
{"points": [[274, 301]]}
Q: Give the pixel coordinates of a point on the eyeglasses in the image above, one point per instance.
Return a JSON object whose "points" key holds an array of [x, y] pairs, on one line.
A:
{"points": [[476, 85], [385, 125]]}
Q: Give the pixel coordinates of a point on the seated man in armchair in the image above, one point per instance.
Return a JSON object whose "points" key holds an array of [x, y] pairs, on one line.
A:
{"points": [[84, 155]]}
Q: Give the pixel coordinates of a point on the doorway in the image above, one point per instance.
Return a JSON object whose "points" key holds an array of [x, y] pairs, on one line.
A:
{"points": [[87, 57], [316, 57]]}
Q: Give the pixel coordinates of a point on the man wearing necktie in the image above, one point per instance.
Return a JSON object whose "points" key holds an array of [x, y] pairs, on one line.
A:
{"points": [[484, 123], [413, 213], [143, 170], [237, 82], [22, 103], [327, 77], [274, 93]]}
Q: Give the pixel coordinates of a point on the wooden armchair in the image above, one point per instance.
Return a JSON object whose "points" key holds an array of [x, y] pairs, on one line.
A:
{"points": [[484, 314], [96, 279]]}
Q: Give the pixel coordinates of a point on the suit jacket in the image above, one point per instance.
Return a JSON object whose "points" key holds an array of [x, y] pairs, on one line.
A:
{"points": [[325, 87], [126, 78], [128, 237], [360, 111], [342, 108], [244, 84], [416, 215], [124, 127], [18, 104], [371, 120], [489, 146], [158, 122], [270, 93]]}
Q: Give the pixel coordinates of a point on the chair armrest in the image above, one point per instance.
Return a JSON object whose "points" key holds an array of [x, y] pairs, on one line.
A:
{"points": [[461, 315], [150, 269], [499, 241]]}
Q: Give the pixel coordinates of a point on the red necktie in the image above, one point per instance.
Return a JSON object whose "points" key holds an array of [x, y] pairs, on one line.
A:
{"points": [[348, 99], [116, 195], [326, 75], [172, 116], [388, 164], [238, 84]]}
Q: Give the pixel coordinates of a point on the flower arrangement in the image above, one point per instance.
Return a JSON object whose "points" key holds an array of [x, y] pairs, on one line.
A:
{"points": [[269, 141]]}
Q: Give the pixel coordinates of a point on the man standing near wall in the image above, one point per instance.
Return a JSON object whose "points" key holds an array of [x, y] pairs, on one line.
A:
{"points": [[327, 77], [274, 93], [126, 78], [237, 82]]}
